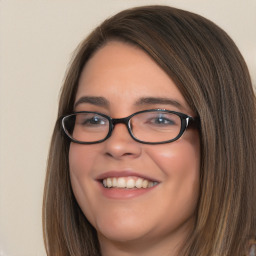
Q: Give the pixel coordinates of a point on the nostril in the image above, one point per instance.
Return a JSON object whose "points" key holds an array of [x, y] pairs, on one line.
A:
{"points": [[127, 154], [113, 154]]}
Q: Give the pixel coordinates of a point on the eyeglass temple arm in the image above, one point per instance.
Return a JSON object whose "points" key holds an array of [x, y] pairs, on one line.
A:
{"points": [[193, 122]]}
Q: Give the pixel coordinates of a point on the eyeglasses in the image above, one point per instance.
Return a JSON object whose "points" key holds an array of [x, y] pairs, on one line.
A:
{"points": [[154, 126]]}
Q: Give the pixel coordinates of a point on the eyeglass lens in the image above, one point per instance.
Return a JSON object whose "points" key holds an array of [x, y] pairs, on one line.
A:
{"points": [[153, 126]]}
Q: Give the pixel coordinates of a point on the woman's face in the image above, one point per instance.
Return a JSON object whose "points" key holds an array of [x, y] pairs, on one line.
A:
{"points": [[123, 79]]}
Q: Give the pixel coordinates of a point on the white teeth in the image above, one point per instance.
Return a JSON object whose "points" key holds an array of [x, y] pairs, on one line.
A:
{"points": [[121, 183], [109, 183], [138, 183], [128, 182], [114, 182], [145, 184]]}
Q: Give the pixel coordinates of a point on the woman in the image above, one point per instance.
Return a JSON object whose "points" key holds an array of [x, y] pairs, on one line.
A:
{"points": [[153, 150]]}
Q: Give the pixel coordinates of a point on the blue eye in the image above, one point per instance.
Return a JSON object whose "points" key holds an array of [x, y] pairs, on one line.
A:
{"points": [[161, 120], [91, 120], [95, 120]]}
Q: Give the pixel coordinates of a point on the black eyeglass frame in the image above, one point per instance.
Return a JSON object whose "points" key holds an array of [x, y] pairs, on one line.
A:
{"points": [[186, 120]]}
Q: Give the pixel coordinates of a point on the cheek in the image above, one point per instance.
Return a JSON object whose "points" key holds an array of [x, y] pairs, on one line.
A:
{"points": [[180, 164], [78, 162], [82, 158], [180, 157], [81, 161]]}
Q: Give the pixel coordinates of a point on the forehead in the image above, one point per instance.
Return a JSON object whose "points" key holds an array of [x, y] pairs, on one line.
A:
{"points": [[123, 72]]}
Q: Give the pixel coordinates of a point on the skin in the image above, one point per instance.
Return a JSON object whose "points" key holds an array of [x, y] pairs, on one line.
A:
{"points": [[156, 222]]}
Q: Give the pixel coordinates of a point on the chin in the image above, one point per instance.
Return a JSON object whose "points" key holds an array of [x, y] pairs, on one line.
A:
{"points": [[120, 235], [121, 229]]}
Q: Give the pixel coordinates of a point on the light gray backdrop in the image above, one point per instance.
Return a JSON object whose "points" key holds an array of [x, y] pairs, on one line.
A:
{"points": [[36, 42]]}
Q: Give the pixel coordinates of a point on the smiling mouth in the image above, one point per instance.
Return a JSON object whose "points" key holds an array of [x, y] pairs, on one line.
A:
{"points": [[128, 183]]}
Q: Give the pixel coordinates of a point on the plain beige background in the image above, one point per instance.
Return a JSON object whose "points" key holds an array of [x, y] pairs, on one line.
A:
{"points": [[36, 42]]}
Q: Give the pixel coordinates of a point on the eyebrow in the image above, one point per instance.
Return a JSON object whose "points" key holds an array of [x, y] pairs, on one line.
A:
{"points": [[156, 100], [103, 102], [97, 101]]}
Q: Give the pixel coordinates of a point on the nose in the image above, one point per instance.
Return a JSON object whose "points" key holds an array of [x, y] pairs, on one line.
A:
{"points": [[121, 144]]}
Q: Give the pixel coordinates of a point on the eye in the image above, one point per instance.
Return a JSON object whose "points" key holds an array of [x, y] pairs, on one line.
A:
{"points": [[162, 120], [91, 120], [95, 120]]}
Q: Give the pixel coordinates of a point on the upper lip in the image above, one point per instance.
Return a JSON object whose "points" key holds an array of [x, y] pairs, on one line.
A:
{"points": [[124, 173]]}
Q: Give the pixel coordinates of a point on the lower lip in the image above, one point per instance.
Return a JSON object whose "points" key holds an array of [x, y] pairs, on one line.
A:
{"points": [[122, 193]]}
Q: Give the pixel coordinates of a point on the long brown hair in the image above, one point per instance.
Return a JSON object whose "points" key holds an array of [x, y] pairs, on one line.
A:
{"points": [[211, 74]]}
